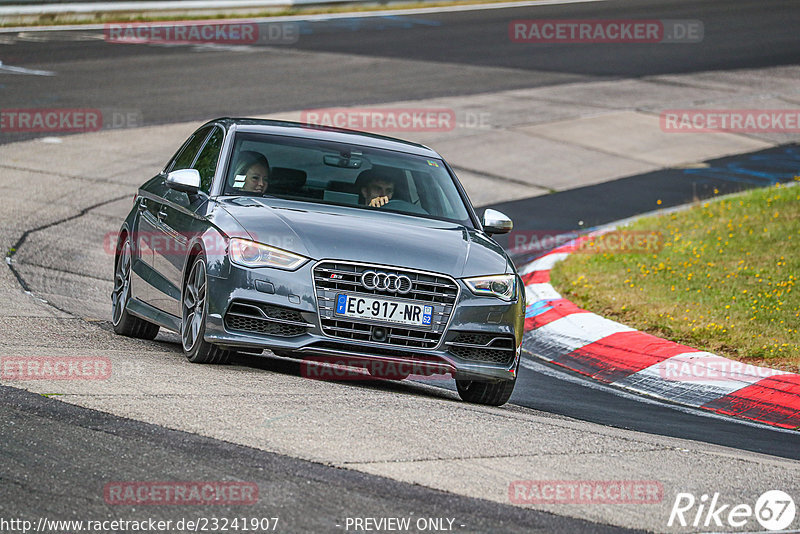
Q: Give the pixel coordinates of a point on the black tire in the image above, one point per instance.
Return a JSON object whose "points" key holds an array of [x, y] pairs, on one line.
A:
{"points": [[124, 323], [490, 393], [193, 326]]}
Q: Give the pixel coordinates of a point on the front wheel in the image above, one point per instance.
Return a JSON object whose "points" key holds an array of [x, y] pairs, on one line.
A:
{"points": [[194, 306], [124, 323], [490, 393]]}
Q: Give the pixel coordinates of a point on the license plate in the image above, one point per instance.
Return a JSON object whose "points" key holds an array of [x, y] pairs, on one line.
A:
{"points": [[384, 310]]}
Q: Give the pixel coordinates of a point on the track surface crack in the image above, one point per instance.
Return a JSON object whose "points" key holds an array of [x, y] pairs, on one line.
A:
{"points": [[21, 241]]}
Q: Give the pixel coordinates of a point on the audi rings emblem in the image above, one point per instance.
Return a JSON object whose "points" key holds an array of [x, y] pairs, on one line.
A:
{"points": [[395, 283]]}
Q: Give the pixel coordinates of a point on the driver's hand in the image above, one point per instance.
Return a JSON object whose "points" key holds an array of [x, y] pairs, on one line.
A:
{"points": [[377, 202]]}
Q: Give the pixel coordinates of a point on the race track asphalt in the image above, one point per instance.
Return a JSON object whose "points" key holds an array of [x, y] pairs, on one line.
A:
{"points": [[364, 62]]}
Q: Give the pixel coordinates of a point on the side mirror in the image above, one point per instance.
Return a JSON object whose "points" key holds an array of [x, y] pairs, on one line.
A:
{"points": [[186, 180], [495, 222]]}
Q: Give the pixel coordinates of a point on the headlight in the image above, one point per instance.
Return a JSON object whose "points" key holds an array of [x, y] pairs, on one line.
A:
{"points": [[252, 254], [503, 286]]}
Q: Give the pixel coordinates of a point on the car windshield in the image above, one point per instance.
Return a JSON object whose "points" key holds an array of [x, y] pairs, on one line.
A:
{"points": [[342, 174]]}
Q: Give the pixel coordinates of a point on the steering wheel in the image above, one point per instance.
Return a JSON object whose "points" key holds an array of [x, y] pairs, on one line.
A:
{"points": [[403, 206]]}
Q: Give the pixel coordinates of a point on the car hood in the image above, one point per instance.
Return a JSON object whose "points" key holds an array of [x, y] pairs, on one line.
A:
{"points": [[342, 233]]}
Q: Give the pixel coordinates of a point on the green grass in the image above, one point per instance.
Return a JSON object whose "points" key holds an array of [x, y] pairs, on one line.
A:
{"points": [[723, 281]]}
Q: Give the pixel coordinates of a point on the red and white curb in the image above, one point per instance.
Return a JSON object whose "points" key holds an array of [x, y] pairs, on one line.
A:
{"points": [[561, 333]]}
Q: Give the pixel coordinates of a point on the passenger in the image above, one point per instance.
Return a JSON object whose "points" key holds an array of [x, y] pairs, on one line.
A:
{"points": [[252, 173], [376, 190]]}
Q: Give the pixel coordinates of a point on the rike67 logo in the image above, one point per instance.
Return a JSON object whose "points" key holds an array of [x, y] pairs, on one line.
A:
{"points": [[774, 510]]}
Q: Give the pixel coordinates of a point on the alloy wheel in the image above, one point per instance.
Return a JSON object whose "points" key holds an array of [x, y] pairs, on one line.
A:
{"points": [[194, 305], [122, 283]]}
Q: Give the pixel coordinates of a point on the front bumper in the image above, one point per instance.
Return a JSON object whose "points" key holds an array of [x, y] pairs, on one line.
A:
{"points": [[474, 320]]}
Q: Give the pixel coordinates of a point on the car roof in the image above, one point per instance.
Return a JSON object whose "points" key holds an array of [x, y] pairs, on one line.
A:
{"points": [[325, 133]]}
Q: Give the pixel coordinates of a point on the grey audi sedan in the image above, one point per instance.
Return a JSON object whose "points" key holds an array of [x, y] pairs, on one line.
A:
{"points": [[321, 244]]}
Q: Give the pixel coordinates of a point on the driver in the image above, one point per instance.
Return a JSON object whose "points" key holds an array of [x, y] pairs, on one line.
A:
{"points": [[252, 173], [376, 189]]}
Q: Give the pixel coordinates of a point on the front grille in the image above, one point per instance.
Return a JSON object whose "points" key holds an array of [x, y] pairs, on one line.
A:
{"points": [[333, 278], [480, 347], [265, 319]]}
